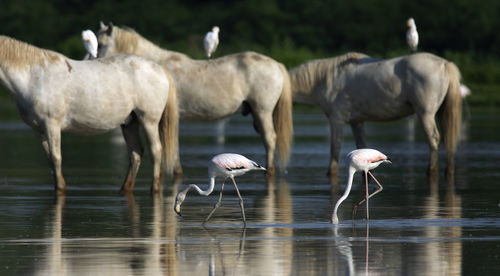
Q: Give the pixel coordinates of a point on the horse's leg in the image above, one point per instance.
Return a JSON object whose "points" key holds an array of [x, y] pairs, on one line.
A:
{"points": [[135, 149], [264, 122], [336, 129], [45, 144], [359, 134], [51, 142], [178, 166], [432, 133], [153, 135]]}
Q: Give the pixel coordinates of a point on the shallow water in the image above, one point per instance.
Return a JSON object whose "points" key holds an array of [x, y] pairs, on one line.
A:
{"points": [[418, 226]]}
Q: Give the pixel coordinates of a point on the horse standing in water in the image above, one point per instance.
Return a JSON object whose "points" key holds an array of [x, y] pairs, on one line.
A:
{"points": [[354, 88], [214, 89], [54, 93]]}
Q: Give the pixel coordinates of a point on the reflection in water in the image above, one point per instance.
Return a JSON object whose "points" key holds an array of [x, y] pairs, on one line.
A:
{"points": [[442, 258], [344, 248], [422, 226], [54, 264], [266, 256], [436, 256]]}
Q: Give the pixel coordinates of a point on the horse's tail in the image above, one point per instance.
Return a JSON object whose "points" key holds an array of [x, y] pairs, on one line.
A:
{"points": [[169, 128], [451, 112], [283, 123]]}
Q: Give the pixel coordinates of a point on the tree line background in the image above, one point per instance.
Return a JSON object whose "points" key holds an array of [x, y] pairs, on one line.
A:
{"points": [[463, 31]]}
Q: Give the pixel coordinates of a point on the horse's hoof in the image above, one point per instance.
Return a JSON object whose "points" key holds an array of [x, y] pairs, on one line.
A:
{"points": [[177, 171], [60, 192], [332, 173], [270, 172], [126, 192], [433, 171], [156, 191]]}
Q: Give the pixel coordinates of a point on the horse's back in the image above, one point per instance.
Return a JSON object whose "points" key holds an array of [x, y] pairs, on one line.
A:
{"points": [[102, 93], [212, 89], [393, 88]]}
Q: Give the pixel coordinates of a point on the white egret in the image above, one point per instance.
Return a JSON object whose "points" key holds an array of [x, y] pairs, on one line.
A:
{"points": [[412, 34], [90, 42], [211, 41]]}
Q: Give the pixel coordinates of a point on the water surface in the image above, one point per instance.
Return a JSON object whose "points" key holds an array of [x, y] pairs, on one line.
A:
{"points": [[418, 225]]}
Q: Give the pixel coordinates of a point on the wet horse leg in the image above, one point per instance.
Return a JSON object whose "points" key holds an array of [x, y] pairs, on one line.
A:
{"points": [[153, 135], [264, 122], [336, 130], [359, 135], [52, 144], [135, 149], [432, 133]]}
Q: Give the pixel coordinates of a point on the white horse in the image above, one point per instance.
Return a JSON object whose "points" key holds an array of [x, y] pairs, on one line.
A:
{"points": [[214, 89], [354, 88], [54, 93]]}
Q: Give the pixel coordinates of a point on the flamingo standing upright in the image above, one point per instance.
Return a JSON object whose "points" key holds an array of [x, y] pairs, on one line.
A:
{"points": [[361, 160], [90, 43], [211, 41], [412, 34], [226, 165]]}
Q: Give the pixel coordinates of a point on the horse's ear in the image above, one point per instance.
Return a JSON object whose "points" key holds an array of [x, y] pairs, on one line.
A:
{"points": [[110, 28], [103, 26]]}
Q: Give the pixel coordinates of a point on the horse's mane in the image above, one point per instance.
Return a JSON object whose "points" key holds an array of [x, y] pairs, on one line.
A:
{"points": [[309, 74], [15, 53], [127, 40]]}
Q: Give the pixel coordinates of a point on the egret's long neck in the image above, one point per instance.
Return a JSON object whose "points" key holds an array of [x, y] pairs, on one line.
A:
{"points": [[211, 186], [351, 171]]}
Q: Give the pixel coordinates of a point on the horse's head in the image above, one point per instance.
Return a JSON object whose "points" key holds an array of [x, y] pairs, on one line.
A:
{"points": [[106, 42]]}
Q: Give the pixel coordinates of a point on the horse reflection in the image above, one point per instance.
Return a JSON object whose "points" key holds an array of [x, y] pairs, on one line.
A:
{"points": [[440, 258], [273, 208], [54, 264]]}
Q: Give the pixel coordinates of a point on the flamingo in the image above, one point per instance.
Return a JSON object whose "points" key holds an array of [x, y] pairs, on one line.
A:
{"points": [[90, 43], [361, 160], [412, 34], [226, 165], [211, 41]]}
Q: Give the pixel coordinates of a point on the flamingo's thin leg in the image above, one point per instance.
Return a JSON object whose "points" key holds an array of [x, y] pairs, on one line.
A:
{"points": [[216, 204], [380, 188], [241, 202], [367, 197]]}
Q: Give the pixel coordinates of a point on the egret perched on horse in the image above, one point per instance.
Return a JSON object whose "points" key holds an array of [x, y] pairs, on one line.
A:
{"points": [[214, 89], [412, 35], [354, 88], [211, 41], [54, 93], [90, 43]]}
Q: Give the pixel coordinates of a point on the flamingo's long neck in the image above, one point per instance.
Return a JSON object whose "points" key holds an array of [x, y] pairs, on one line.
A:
{"points": [[335, 219], [211, 186]]}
